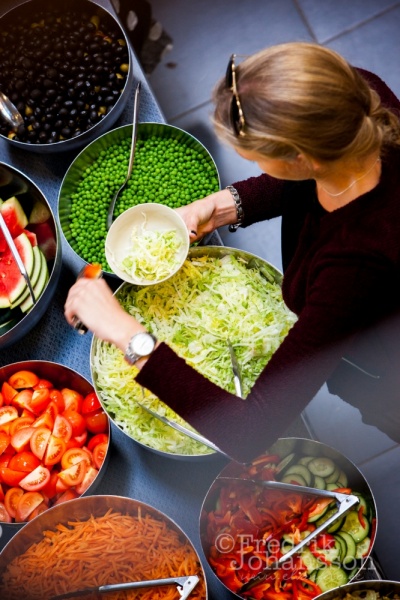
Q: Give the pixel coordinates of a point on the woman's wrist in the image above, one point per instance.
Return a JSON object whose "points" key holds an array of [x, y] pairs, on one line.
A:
{"points": [[225, 208]]}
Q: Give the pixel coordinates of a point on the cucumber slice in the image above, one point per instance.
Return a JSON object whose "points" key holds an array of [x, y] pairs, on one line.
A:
{"points": [[304, 460], [350, 555], [310, 561], [334, 476], [342, 479], [285, 463], [330, 510], [363, 547], [330, 577], [300, 470], [313, 575], [343, 547], [353, 526], [294, 478], [322, 466], [319, 482], [332, 555], [40, 284], [333, 486]]}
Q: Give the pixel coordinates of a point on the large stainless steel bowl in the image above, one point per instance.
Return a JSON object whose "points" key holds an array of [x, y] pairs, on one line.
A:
{"points": [[14, 183], [41, 65], [360, 590], [89, 155], [142, 420], [61, 377], [83, 509], [223, 542]]}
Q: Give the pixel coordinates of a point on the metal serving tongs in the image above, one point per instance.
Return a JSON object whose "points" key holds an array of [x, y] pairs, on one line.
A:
{"points": [[17, 258], [237, 378], [181, 428], [131, 156], [185, 586], [343, 502]]}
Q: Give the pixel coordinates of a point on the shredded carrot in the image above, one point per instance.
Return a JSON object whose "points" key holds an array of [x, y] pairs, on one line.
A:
{"points": [[114, 548]]}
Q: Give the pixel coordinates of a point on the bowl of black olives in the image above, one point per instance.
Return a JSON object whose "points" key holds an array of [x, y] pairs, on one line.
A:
{"points": [[67, 68]]}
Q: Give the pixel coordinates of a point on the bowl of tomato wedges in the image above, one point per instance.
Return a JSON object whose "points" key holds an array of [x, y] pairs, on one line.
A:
{"points": [[54, 439], [253, 517]]}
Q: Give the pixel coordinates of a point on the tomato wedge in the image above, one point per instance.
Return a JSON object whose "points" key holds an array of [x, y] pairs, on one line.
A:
{"points": [[11, 500], [74, 475], [26, 505], [62, 428], [97, 422], [56, 397], [43, 384], [8, 392], [69, 494], [73, 400], [99, 438], [38, 510], [23, 379], [20, 440], [54, 451], [4, 516], [39, 441], [73, 456], [90, 476], [76, 420], [11, 477], [99, 454], [7, 414], [24, 461], [5, 440], [20, 423], [36, 480], [90, 403], [40, 399], [23, 399]]}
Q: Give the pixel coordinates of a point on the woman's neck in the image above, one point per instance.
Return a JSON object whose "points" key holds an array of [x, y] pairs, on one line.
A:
{"points": [[345, 183]]}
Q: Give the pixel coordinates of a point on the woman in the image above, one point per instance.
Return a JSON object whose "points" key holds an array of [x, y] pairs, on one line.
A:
{"points": [[327, 137]]}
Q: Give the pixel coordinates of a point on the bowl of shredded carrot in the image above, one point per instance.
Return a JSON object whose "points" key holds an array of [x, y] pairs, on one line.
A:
{"points": [[96, 541], [248, 524]]}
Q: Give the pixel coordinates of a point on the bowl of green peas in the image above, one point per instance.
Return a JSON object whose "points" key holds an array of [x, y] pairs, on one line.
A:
{"points": [[171, 167]]}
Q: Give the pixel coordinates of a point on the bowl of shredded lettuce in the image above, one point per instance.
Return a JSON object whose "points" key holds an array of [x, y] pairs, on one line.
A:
{"points": [[147, 244], [208, 300]]}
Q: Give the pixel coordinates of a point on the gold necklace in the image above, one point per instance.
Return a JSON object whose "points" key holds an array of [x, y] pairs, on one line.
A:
{"points": [[352, 183]]}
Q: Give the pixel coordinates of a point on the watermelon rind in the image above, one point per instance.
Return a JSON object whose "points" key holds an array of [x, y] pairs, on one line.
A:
{"points": [[33, 278], [39, 286], [9, 270]]}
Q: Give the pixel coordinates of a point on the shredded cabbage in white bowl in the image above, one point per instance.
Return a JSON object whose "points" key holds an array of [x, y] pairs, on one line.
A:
{"points": [[218, 293]]}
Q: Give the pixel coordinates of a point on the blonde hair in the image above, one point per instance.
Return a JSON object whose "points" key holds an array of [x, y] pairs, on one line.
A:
{"points": [[303, 98]]}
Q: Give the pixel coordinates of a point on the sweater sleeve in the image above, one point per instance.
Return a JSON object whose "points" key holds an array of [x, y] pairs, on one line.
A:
{"points": [[261, 198], [305, 360]]}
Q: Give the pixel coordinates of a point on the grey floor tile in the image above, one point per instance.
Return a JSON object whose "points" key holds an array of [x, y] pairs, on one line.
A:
{"points": [[205, 33], [375, 46], [329, 18], [339, 425], [383, 476]]}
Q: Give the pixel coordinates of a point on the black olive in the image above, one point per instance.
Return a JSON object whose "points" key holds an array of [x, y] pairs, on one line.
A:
{"points": [[58, 125], [66, 132]]}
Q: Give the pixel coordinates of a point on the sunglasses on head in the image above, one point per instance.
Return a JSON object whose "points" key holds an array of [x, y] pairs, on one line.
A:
{"points": [[237, 116]]}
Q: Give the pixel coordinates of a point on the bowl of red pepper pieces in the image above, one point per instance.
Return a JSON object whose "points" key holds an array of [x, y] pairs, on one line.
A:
{"points": [[247, 527]]}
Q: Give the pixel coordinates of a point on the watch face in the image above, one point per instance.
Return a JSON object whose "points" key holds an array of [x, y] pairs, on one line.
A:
{"points": [[142, 344]]}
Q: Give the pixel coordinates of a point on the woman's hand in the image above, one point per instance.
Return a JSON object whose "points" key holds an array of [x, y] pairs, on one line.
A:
{"points": [[205, 215], [92, 302]]}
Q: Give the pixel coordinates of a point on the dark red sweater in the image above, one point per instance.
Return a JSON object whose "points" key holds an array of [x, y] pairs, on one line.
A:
{"points": [[341, 275]]}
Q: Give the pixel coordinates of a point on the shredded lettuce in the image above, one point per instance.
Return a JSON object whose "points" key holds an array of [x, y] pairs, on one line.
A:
{"points": [[206, 302], [152, 255]]}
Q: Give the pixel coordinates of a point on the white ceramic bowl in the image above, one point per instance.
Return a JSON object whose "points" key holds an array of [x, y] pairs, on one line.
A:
{"points": [[140, 219]]}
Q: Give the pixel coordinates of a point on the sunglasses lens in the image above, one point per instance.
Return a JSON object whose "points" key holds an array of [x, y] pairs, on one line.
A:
{"points": [[229, 73]]}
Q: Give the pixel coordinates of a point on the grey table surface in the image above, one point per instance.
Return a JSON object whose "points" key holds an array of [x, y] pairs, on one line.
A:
{"points": [[175, 487]]}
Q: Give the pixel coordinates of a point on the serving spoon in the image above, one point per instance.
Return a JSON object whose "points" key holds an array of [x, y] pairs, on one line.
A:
{"points": [[131, 157], [185, 586], [10, 113]]}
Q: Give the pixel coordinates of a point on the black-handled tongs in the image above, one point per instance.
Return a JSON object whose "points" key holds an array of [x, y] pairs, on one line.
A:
{"points": [[184, 585], [343, 502]]}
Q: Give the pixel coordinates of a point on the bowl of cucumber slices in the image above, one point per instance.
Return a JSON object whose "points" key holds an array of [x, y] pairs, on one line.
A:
{"points": [[299, 520], [28, 228]]}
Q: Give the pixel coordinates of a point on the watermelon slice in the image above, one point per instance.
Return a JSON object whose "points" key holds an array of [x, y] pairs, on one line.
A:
{"points": [[13, 283], [15, 218]]}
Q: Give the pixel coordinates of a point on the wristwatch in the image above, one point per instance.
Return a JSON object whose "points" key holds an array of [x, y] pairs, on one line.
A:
{"points": [[140, 345]]}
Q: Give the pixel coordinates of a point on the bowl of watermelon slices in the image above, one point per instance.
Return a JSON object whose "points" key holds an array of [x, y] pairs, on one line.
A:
{"points": [[31, 224]]}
